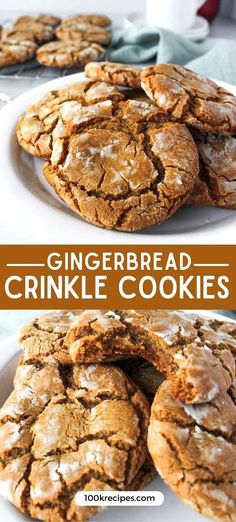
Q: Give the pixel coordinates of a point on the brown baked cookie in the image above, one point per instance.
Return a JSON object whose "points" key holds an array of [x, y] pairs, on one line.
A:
{"points": [[194, 355], [36, 32], [45, 336], [47, 118], [67, 429], [131, 170], [46, 19], [190, 98], [194, 450], [64, 55], [14, 52], [216, 184], [94, 19], [115, 73], [82, 31], [144, 476]]}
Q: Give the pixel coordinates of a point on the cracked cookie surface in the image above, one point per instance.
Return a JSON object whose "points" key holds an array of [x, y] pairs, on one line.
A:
{"points": [[83, 31], [47, 117], [68, 54], [94, 19], [45, 336], [128, 170], [34, 31], [195, 354], [67, 429], [190, 98], [216, 183], [194, 450], [114, 73], [14, 52], [46, 19], [144, 476]]}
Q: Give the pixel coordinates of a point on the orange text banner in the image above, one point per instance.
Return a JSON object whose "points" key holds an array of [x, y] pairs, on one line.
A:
{"points": [[72, 276]]}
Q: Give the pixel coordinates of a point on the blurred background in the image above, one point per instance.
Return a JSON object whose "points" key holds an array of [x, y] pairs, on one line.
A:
{"points": [[220, 14], [121, 6]]}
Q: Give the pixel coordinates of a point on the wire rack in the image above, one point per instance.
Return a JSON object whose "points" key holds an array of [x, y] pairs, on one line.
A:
{"points": [[32, 70]]}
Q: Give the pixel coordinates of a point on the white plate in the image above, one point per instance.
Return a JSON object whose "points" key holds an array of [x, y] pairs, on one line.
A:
{"points": [[172, 509], [29, 201]]}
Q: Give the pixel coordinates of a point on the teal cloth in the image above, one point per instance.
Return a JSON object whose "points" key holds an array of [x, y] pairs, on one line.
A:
{"points": [[139, 44]]}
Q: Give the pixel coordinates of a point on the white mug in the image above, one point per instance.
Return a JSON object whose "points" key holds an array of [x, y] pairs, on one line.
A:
{"points": [[175, 15]]}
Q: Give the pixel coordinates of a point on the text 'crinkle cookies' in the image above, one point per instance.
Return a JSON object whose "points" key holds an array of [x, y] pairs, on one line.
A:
{"points": [[194, 450], [190, 98], [196, 355], [67, 429]]}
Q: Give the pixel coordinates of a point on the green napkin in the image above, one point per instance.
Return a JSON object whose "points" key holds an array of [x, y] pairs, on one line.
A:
{"points": [[139, 44]]}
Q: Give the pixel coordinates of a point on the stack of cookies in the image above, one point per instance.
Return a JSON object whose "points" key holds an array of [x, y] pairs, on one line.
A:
{"points": [[20, 42], [69, 427], [127, 148], [78, 416], [81, 38], [209, 112], [71, 42]]}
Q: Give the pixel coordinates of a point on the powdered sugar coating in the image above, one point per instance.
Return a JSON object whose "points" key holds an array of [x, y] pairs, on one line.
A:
{"points": [[194, 448], [190, 351], [89, 432]]}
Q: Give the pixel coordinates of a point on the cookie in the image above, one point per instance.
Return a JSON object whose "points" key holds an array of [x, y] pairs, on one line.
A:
{"points": [[46, 19], [144, 476], [131, 170], [67, 429], [45, 336], [83, 31], [64, 55], [190, 98], [94, 19], [48, 117], [192, 353], [115, 73], [36, 32], [194, 450], [14, 52], [216, 184]]}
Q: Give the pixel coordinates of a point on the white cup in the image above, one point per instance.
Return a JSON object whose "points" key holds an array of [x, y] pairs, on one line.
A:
{"points": [[175, 15]]}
